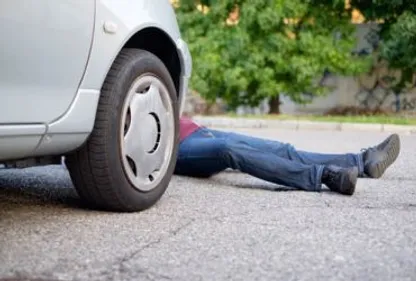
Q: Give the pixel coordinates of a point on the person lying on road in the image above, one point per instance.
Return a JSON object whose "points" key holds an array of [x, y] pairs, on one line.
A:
{"points": [[204, 152]]}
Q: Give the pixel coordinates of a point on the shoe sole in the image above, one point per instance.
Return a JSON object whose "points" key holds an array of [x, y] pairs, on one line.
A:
{"points": [[393, 149], [351, 182]]}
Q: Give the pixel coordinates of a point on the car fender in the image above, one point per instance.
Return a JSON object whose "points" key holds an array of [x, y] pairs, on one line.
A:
{"points": [[116, 22]]}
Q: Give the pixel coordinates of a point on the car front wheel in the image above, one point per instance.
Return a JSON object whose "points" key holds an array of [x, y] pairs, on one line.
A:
{"points": [[129, 158]]}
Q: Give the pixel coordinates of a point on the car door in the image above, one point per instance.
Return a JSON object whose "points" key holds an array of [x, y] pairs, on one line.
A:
{"points": [[44, 49]]}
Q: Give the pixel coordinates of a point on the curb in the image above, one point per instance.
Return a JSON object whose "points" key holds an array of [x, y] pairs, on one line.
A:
{"points": [[227, 122]]}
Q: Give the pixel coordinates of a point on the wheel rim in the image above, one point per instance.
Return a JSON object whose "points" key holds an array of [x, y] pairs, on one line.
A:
{"points": [[147, 132]]}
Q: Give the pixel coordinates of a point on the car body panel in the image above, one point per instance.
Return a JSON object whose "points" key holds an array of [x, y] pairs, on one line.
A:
{"points": [[127, 17], [45, 48], [67, 118], [69, 132], [19, 141]]}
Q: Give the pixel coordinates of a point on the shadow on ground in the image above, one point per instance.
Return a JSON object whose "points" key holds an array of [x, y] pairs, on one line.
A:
{"points": [[49, 185], [52, 186]]}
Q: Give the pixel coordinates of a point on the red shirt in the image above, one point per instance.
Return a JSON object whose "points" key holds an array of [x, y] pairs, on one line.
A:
{"points": [[187, 127]]}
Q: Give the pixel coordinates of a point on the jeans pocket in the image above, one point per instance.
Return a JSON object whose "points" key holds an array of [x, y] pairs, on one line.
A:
{"points": [[207, 134]]}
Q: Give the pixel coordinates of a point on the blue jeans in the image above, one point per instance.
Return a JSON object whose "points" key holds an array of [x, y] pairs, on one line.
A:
{"points": [[207, 152]]}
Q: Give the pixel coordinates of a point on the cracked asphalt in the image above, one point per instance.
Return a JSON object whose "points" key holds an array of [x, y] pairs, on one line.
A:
{"points": [[230, 227]]}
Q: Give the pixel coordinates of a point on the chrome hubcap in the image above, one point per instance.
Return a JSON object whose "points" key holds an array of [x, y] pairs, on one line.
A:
{"points": [[147, 135]]}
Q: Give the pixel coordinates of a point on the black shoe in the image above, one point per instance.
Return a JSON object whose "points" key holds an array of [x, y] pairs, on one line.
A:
{"points": [[341, 180], [378, 158]]}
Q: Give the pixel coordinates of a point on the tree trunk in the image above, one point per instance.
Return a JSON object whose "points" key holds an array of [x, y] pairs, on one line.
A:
{"points": [[274, 104]]}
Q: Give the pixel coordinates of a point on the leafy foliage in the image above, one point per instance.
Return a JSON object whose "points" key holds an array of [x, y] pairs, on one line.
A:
{"points": [[398, 33], [247, 50]]}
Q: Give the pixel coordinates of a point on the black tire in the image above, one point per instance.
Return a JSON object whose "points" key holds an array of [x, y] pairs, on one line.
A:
{"points": [[96, 169]]}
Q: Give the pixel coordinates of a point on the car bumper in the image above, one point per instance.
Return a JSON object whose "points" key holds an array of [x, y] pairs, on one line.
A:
{"points": [[186, 66]]}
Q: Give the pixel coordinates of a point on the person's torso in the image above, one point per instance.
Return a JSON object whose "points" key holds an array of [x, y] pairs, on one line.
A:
{"points": [[187, 127]]}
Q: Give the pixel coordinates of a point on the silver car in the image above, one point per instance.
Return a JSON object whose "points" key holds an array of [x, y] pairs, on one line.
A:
{"points": [[101, 82]]}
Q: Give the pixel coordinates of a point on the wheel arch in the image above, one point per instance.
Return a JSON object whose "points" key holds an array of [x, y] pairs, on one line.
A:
{"points": [[157, 42]]}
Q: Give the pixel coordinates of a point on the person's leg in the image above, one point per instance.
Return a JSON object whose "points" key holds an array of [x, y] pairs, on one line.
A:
{"points": [[288, 151], [187, 164], [203, 156]]}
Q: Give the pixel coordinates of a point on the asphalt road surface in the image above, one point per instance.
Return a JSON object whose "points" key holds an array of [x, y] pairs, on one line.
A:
{"points": [[230, 227]]}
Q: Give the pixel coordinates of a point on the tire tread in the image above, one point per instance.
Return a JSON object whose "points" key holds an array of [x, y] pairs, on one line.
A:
{"points": [[90, 166]]}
